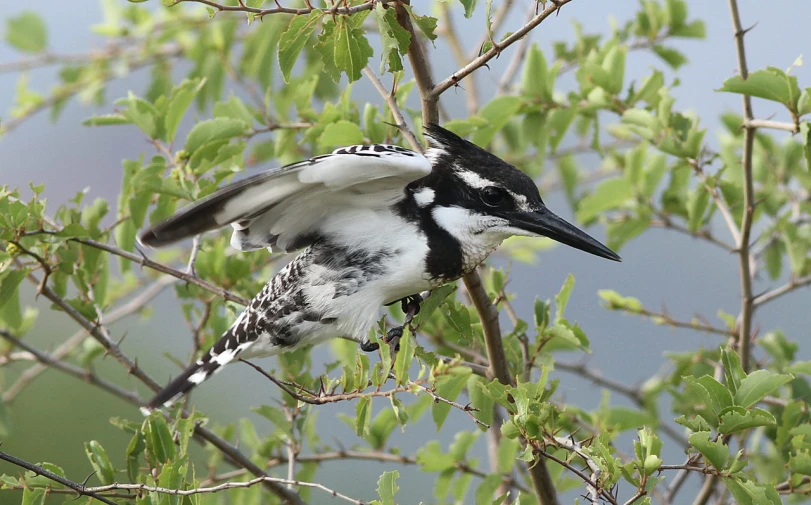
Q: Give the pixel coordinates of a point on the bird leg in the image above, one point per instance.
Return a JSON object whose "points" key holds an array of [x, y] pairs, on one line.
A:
{"points": [[411, 307]]}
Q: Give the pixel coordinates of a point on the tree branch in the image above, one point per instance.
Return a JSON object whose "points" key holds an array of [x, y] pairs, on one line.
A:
{"points": [[100, 334], [80, 489], [748, 198], [154, 265], [497, 48]]}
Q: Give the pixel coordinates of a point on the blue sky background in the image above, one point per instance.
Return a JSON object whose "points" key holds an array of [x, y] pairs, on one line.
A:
{"points": [[660, 267]]}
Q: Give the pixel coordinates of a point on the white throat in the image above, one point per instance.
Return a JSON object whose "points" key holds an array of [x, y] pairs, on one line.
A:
{"points": [[477, 234]]}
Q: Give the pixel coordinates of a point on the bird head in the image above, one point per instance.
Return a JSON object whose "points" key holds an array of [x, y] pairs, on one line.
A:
{"points": [[479, 198]]}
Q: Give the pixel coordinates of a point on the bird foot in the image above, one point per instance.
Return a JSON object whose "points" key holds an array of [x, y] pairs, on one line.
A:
{"points": [[369, 346], [393, 337], [411, 307]]}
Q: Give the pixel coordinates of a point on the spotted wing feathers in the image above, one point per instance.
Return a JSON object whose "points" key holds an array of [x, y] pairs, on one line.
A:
{"points": [[283, 206]]}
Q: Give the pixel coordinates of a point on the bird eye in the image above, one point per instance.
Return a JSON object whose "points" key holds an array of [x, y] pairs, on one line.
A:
{"points": [[493, 196]]}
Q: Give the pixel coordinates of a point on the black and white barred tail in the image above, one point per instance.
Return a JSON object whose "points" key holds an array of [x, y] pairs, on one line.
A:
{"points": [[226, 350]]}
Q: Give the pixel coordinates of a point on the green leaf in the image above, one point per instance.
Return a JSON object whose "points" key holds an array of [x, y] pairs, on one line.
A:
{"points": [[363, 419], [352, 50], [387, 487], [294, 38], [426, 24], [394, 38], [448, 387], [470, 7], [708, 393], [800, 462], [27, 32], [211, 130], [160, 447], [35, 496], [101, 463], [497, 112], [559, 122], [341, 133], [716, 453], [614, 65], [733, 371], [773, 257], [672, 57], [694, 30], [805, 133], [142, 114], [735, 419], [9, 284], [770, 84], [615, 301], [533, 77], [431, 458], [609, 194], [106, 120], [696, 207], [746, 492], [405, 356], [759, 384], [182, 96], [487, 489], [562, 298]]}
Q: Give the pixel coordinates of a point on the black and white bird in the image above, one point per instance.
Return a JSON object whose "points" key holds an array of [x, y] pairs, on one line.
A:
{"points": [[377, 224]]}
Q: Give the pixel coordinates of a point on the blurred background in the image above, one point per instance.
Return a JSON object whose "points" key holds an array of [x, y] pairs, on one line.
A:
{"points": [[52, 419]]}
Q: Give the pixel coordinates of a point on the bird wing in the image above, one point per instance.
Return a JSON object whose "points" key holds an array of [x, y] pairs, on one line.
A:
{"points": [[283, 206]]}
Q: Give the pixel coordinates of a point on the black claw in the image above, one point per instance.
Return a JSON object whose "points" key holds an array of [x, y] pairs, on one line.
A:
{"points": [[411, 304], [394, 335], [396, 332], [369, 346]]}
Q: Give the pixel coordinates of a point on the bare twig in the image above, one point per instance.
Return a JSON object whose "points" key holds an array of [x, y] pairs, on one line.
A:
{"points": [[774, 125], [321, 398], [51, 361], [223, 486], [154, 265], [134, 305], [100, 334], [748, 198], [782, 290], [391, 101], [497, 48]]}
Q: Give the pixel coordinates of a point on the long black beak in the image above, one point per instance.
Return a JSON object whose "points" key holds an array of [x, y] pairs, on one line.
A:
{"points": [[547, 224]]}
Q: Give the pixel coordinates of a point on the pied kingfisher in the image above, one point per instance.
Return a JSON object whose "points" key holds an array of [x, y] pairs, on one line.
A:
{"points": [[378, 223]]}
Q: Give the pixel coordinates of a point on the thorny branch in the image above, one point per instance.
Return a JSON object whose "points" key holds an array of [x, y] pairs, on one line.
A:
{"points": [[747, 298], [435, 91], [323, 397], [339, 8], [80, 489], [96, 491], [99, 332], [488, 313]]}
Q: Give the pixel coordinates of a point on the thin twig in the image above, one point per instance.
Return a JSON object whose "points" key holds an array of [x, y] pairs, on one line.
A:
{"points": [[774, 125], [134, 305], [221, 487], [748, 198], [391, 101], [242, 7], [497, 48], [80, 489], [100, 334], [782, 290], [154, 265]]}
